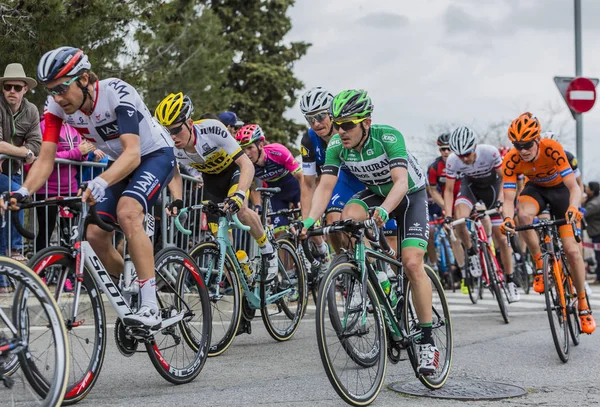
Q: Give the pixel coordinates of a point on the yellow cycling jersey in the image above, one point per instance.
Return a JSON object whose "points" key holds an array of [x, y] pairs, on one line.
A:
{"points": [[216, 149]]}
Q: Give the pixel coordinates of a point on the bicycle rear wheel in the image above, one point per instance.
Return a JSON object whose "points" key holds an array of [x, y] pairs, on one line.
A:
{"points": [[497, 286], [557, 314], [225, 296], [345, 343], [35, 336], [282, 317], [441, 331], [87, 333], [180, 288]]}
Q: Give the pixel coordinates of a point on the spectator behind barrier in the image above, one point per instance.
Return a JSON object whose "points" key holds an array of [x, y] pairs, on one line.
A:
{"points": [[592, 217], [20, 136]]}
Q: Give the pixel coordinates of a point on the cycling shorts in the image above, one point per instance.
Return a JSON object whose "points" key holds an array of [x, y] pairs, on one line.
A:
{"points": [[556, 197], [346, 186], [411, 216], [471, 193], [288, 197], [144, 184], [219, 186]]}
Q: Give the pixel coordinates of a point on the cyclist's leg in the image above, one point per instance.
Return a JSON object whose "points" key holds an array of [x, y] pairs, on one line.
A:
{"points": [[434, 210], [344, 190], [463, 205]]}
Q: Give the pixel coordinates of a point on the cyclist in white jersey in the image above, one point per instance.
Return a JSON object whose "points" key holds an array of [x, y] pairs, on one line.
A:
{"points": [[110, 114], [481, 168]]}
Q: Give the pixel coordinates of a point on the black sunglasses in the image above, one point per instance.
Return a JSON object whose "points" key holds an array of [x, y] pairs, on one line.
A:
{"points": [[176, 130], [17, 88], [444, 148], [524, 146]]}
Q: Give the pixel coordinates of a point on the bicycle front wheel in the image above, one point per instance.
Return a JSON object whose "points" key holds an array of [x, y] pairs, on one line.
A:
{"points": [[282, 317], [572, 305], [441, 330], [86, 330], [224, 293], [180, 290], [557, 313], [36, 329], [344, 332]]}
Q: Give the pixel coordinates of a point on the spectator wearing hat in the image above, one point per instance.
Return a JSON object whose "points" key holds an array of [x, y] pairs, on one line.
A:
{"points": [[231, 121], [592, 217], [20, 136]]}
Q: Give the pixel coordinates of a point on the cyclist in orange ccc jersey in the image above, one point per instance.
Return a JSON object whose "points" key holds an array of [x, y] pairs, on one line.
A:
{"points": [[551, 181]]}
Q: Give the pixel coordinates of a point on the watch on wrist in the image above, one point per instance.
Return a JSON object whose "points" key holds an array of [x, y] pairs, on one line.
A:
{"points": [[29, 155]]}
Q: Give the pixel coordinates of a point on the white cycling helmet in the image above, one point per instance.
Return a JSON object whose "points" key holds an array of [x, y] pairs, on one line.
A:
{"points": [[462, 140], [315, 99], [549, 134]]}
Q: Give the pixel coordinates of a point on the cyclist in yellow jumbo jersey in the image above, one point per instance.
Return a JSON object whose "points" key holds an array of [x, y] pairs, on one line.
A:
{"points": [[551, 181], [208, 147]]}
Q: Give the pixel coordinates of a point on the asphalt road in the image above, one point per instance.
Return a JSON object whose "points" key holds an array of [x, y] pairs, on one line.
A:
{"points": [[256, 370]]}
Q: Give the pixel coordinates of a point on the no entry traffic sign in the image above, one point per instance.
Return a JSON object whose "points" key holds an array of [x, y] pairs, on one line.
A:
{"points": [[579, 93]]}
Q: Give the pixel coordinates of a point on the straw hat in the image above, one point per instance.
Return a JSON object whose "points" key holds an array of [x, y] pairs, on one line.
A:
{"points": [[15, 72]]}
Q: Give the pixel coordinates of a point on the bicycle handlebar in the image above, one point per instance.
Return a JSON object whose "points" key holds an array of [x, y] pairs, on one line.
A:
{"points": [[188, 232], [477, 215]]}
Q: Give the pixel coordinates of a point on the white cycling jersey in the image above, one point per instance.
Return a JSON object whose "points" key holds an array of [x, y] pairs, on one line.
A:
{"points": [[117, 109], [482, 171]]}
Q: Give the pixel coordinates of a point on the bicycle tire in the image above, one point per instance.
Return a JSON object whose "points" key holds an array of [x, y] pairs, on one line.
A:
{"points": [[529, 266], [442, 325], [87, 347], [572, 306], [447, 260], [30, 288], [497, 287], [329, 334], [187, 292], [474, 284], [283, 323], [226, 309], [556, 318]]}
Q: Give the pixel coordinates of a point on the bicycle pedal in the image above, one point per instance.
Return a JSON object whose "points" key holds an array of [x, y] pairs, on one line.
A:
{"points": [[9, 382]]}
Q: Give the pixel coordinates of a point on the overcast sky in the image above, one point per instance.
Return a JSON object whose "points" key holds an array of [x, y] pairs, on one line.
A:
{"points": [[428, 63]]}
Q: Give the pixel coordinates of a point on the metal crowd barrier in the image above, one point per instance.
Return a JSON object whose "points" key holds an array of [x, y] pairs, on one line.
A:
{"points": [[165, 231]]}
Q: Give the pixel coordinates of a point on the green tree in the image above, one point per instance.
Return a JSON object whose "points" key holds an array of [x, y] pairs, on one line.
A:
{"points": [[29, 28], [261, 75], [182, 49]]}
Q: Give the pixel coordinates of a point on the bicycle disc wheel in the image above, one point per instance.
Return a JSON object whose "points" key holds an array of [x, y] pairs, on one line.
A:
{"points": [[37, 326], [497, 287], [180, 288], [283, 316], [225, 295], [557, 314], [341, 326], [87, 333], [441, 331]]}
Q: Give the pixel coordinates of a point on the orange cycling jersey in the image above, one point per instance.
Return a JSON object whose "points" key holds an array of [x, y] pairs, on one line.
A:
{"points": [[549, 169]]}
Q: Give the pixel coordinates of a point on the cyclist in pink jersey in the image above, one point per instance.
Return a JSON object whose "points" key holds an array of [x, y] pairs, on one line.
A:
{"points": [[275, 165]]}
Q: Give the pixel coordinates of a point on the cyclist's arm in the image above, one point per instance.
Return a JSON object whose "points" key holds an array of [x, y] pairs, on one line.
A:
{"points": [[398, 191], [246, 173], [41, 168], [128, 161], [448, 198], [435, 195], [254, 195], [322, 196], [580, 184], [508, 209], [574, 191], [501, 192], [176, 185], [307, 190]]}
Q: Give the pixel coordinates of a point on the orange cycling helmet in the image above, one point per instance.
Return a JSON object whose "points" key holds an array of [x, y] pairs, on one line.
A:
{"points": [[524, 128]]}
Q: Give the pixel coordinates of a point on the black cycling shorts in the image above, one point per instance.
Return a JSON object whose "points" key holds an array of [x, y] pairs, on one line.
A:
{"points": [[219, 186], [471, 193]]}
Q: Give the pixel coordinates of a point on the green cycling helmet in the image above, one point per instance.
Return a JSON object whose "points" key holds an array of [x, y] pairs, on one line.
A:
{"points": [[351, 103]]}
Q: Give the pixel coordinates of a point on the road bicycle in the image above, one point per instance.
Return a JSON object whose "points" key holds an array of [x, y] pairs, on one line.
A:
{"points": [[491, 276], [358, 326], [177, 349], [34, 357], [559, 292], [238, 291], [444, 253]]}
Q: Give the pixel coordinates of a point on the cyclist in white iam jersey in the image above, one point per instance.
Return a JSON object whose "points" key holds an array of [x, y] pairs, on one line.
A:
{"points": [[110, 114]]}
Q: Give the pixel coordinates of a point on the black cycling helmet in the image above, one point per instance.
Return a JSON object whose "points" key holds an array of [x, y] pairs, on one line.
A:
{"points": [[444, 140]]}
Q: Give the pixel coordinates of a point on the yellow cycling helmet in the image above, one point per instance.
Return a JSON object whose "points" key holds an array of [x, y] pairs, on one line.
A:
{"points": [[175, 108]]}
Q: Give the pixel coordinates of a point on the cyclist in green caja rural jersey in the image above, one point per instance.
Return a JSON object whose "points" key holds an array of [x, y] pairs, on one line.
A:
{"points": [[377, 155]]}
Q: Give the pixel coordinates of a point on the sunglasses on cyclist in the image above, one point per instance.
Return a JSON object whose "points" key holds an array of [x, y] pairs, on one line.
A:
{"points": [[524, 146], [61, 88], [444, 148], [17, 88], [348, 125], [319, 117], [176, 130], [465, 155]]}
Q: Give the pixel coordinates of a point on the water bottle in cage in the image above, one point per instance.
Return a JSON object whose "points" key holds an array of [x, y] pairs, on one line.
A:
{"points": [[128, 281]]}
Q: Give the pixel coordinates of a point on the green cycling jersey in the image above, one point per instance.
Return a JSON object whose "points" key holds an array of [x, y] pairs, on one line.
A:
{"points": [[384, 149]]}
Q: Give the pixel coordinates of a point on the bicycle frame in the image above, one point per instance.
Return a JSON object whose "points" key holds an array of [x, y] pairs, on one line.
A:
{"points": [[552, 247], [439, 241]]}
